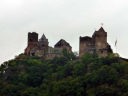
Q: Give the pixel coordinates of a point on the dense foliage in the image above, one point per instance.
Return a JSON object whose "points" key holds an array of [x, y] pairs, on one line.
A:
{"points": [[65, 76]]}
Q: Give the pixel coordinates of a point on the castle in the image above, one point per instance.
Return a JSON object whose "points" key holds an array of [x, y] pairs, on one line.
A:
{"points": [[97, 44], [42, 49]]}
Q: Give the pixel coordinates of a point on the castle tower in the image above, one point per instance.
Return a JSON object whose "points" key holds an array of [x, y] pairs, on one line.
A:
{"points": [[97, 44], [100, 40], [43, 41], [32, 38], [43, 44], [32, 43]]}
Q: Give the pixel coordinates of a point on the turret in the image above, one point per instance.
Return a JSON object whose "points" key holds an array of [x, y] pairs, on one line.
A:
{"points": [[43, 42]]}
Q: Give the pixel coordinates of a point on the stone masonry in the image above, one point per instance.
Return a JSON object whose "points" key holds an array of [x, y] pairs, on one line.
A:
{"points": [[97, 44], [42, 49]]}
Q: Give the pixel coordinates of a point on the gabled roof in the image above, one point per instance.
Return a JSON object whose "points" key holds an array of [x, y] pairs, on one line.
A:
{"points": [[62, 42], [43, 37]]}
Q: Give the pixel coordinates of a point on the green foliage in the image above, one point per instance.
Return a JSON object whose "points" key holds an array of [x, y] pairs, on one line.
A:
{"points": [[64, 76]]}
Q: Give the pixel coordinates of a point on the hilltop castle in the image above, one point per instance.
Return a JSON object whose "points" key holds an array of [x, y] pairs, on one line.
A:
{"points": [[42, 49], [97, 44]]}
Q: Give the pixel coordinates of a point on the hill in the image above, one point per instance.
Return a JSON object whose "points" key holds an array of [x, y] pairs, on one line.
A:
{"points": [[64, 76]]}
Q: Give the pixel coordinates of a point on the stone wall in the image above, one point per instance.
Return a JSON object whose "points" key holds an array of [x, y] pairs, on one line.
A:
{"points": [[97, 44], [42, 49]]}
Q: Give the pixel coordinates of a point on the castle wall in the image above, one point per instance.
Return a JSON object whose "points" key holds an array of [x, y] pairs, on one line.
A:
{"points": [[95, 45], [86, 45], [82, 48], [41, 48], [69, 49], [54, 52]]}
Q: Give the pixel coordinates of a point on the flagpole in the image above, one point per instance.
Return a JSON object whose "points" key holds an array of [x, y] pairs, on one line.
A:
{"points": [[116, 45]]}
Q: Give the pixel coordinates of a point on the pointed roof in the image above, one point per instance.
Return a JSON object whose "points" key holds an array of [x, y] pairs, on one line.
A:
{"points": [[62, 42], [43, 37], [101, 29]]}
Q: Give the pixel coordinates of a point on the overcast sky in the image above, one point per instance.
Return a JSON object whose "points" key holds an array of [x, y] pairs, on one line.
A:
{"points": [[67, 19]]}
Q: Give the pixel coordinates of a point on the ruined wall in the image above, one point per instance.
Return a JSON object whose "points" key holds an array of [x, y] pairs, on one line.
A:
{"points": [[86, 45], [53, 52], [42, 49], [32, 43], [97, 44]]}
